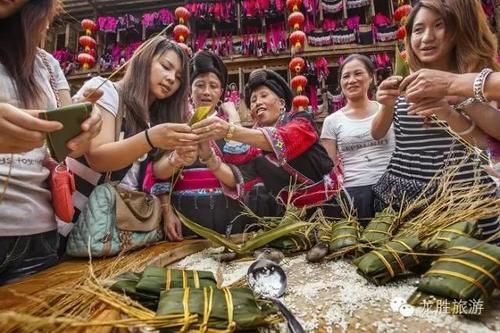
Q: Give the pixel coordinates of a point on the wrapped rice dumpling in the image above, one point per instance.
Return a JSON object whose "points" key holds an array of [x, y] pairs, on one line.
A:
{"points": [[468, 270], [224, 310], [389, 261], [154, 280], [345, 234], [291, 243], [380, 228], [126, 284], [443, 238]]}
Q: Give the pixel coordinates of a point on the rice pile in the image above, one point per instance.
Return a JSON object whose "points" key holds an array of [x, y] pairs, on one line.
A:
{"points": [[332, 297]]}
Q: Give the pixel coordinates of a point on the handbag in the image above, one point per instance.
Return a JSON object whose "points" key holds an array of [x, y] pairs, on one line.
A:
{"points": [[62, 187], [61, 180], [115, 219]]}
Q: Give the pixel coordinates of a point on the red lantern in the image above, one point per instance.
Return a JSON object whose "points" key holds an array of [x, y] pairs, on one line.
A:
{"points": [[293, 5], [296, 20], [87, 42], [299, 82], [86, 60], [402, 12], [297, 38], [181, 32], [401, 33], [182, 14], [89, 26], [296, 65], [300, 102]]}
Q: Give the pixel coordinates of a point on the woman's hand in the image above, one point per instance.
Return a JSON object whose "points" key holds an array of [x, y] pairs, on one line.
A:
{"points": [[169, 136], [91, 127], [213, 128], [431, 106], [427, 83], [204, 149], [185, 156], [22, 130], [172, 226], [388, 91]]}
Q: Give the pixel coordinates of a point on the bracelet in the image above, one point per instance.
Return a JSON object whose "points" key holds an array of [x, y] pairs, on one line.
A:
{"points": [[230, 132], [462, 105], [205, 161], [148, 139], [468, 130], [478, 85]]}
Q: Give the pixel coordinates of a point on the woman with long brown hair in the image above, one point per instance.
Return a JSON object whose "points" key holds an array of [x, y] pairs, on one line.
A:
{"points": [[28, 228], [437, 38], [152, 101]]}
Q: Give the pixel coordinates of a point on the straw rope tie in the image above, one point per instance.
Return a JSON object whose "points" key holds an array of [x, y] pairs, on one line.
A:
{"points": [[410, 250], [185, 283], [168, 279], [476, 267], [460, 276], [231, 327], [196, 279], [185, 305], [208, 295], [396, 256], [385, 262], [477, 252]]}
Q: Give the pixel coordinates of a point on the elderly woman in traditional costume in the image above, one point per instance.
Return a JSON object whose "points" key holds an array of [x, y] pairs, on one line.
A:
{"points": [[284, 145]]}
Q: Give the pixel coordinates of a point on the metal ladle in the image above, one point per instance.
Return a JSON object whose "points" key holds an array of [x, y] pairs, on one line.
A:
{"points": [[268, 280]]}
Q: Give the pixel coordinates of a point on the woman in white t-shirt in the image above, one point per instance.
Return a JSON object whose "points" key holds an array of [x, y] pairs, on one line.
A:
{"points": [[30, 78], [346, 135]]}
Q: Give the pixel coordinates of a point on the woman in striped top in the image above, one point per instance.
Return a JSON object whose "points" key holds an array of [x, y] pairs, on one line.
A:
{"points": [[425, 149]]}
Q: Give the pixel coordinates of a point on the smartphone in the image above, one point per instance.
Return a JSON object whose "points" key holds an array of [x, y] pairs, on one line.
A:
{"points": [[72, 117]]}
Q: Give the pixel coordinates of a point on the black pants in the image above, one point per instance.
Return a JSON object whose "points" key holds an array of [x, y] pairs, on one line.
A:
{"points": [[212, 210], [362, 198], [25, 255]]}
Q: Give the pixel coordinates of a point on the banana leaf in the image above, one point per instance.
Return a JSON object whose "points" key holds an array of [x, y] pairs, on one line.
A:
{"points": [[211, 306], [380, 228], [126, 284], [391, 260], [289, 224], [345, 234], [443, 238], [295, 242], [154, 280], [201, 113], [468, 270]]}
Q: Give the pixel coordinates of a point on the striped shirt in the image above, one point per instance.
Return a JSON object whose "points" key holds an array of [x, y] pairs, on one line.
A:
{"points": [[426, 151]]}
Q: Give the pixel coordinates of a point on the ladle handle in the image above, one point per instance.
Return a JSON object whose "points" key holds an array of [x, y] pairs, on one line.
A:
{"points": [[292, 322]]}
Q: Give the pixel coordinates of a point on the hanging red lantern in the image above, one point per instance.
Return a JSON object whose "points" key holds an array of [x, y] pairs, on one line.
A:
{"points": [[86, 60], [293, 5], [89, 26], [299, 82], [296, 20], [181, 33], [401, 33], [296, 65], [182, 14], [300, 102], [402, 12], [297, 38], [87, 42]]}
